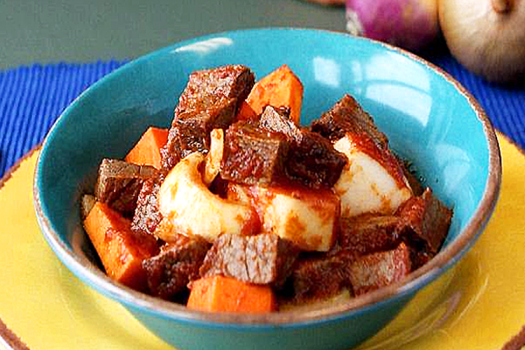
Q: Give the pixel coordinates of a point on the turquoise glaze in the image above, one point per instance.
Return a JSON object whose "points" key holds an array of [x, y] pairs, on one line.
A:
{"points": [[425, 115]]}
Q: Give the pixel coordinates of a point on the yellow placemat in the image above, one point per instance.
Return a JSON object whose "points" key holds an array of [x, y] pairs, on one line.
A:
{"points": [[480, 304]]}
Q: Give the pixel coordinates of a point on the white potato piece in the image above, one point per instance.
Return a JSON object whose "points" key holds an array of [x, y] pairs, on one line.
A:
{"points": [[372, 182], [214, 157], [306, 217], [190, 208]]}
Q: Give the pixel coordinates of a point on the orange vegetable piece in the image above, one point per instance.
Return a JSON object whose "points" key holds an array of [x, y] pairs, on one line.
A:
{"points": [[279, 88], [225, 294], [120, 249], [147, 149]]}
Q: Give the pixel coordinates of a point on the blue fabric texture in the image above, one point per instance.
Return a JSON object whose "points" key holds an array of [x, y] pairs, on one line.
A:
{"points": [[31, 99]]}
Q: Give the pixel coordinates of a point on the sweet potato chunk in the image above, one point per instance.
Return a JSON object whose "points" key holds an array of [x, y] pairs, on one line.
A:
{"points": [[120, 249], [147, 150], [224, 294], [280, 88]]}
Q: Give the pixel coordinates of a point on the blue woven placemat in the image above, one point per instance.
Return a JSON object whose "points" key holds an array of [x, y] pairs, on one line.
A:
{"points": [[31, 98]]}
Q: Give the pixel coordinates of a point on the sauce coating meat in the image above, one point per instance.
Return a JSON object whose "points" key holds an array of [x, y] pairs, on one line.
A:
{"points": [[209, 101], [252, 212]]}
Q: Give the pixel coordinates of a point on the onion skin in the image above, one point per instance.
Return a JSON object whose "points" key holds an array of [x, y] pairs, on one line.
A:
{"points": [[486, 36], [411, 24], [329, 2]]}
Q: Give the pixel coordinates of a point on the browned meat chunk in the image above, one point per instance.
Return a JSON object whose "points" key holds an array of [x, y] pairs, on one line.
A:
{"points": [[348, 116], [119, 183], [373, 271], [147, 215], [321, 277], [368, 234], [419, 257], [312, 159], [190, 131], [259, 259], [278, 120], [252, 155], [425, 219], [169, 272], [209, 101], [410, 174]]}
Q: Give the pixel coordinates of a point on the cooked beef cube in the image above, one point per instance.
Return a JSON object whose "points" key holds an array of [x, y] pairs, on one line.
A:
{"points": [[348, 116], [192, 127], [419, 257], [312, 159], [368, 234], [86, 204], [261, 259], [210, 100], [320, 277], [230, 81], [373, 271], [425, 219], [119, 183], [252, 155], [278, 120], [169, 272], [410, 174], [147, 215]]}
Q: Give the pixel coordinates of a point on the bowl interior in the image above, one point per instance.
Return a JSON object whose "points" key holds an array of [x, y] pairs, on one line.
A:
{"points": [[425, 117]]}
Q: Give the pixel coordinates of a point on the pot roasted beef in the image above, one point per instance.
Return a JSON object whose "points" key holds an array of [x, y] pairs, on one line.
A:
{"points": [[260, 259], [119, 183], [147, 214], [209, 101], [177, 264], [252, 155], [312, 159], [348, 116]]}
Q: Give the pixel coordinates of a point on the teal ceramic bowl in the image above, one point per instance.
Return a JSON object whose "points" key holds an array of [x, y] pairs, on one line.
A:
{"points": [[428, 117]]}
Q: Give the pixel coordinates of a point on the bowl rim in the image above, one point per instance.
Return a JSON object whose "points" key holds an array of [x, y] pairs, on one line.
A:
{"points": [[93, 276]]}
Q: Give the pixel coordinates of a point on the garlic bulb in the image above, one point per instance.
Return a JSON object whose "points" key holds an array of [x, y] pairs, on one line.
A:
{"points": [[486, 36]]}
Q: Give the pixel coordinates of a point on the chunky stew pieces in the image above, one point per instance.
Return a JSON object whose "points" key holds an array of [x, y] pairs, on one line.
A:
{"points": [[239, 208]]}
